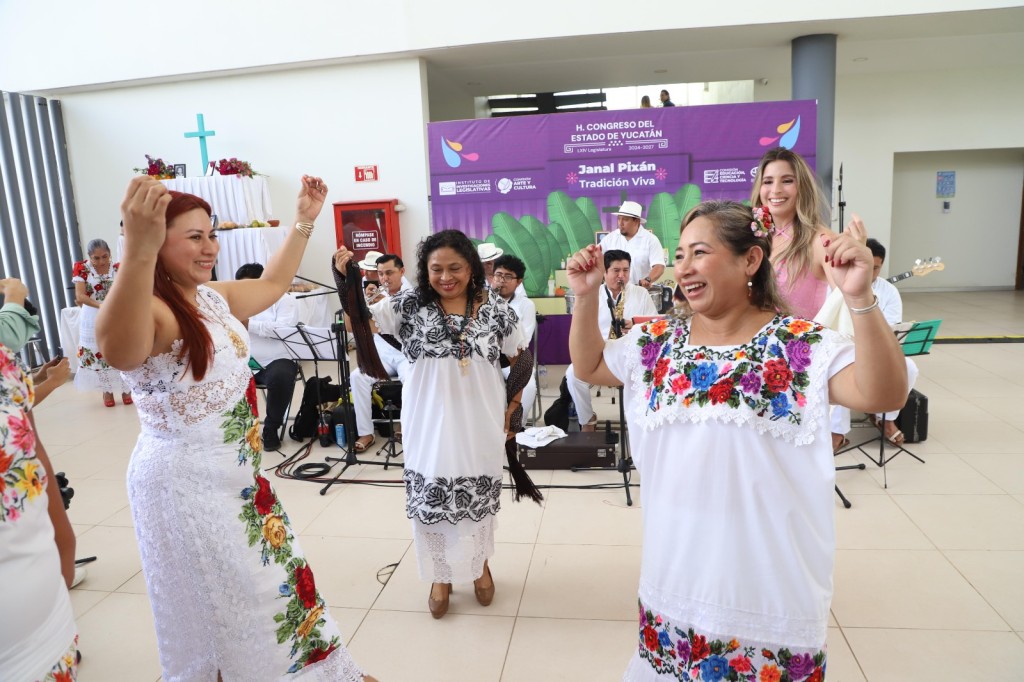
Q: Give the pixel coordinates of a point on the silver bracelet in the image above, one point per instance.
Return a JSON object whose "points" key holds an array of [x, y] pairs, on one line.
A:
{"points": [[864, 311], [305, 229]]}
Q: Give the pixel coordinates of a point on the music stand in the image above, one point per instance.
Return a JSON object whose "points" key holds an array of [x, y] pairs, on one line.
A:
{"points": [[625, 462], [348, 411], [320, 347], [917, 340]]}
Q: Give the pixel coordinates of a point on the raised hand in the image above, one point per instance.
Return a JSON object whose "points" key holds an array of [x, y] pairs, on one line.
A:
{"points": [[585, 270], [851, 261], [13, 290], [341, 259], [144, 211], [312, 194]]}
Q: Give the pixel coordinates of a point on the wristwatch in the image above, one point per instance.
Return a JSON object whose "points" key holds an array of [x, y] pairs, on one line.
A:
{"points": [[646, 279]]}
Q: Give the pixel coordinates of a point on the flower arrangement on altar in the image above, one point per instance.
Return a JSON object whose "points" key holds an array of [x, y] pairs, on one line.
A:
{"points": [[233, 166], [156, 168]]}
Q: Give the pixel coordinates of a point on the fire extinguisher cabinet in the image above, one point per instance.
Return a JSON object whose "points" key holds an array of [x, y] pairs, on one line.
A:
{"points": [[365, 226]]}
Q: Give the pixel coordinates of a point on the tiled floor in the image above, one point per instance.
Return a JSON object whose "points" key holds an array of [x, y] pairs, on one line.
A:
{"points": [[928, 573]]}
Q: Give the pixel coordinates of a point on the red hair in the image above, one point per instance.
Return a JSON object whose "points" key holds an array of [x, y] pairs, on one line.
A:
{"points": [[197, 344]]}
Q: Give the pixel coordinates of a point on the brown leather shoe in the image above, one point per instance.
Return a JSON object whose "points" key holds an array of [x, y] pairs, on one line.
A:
{"points": [[484, 595], [438, 607]]}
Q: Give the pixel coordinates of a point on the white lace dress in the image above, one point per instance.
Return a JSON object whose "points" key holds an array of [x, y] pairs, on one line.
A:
{"points": [[230, 588], [94, 374], [453, 421], [735, 455]]}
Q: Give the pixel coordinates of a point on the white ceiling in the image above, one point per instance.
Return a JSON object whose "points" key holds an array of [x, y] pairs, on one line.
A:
{"points": [[958, 40]]}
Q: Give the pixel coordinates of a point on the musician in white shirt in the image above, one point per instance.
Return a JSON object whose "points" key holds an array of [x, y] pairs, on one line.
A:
{"points": [[507, 282], [277, 368], [391, 277], [645, 251], [621, 301], [891, 305]]}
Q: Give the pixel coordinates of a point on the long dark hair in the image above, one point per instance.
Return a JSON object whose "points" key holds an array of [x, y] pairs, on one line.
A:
{"points": [[460, 243], [732, 220], [196, 342]]}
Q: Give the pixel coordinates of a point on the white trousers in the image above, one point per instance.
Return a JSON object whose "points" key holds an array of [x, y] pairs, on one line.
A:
{"points": [[840, 417], [580, 392], [362, 385]]}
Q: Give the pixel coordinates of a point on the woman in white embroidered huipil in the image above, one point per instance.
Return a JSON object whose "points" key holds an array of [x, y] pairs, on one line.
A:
{"points": [[454, 416], [727, 406], [93, 278], [232, 594]]}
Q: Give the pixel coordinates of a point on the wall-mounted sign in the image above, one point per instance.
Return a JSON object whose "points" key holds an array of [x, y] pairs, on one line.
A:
{"points": [[945, 184], [366, 174]]}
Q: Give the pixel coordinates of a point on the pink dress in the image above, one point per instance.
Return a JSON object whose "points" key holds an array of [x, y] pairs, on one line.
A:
{"points": [[805, 296]]}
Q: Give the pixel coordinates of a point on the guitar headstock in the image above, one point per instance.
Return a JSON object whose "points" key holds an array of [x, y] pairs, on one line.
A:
{"points": [[928, 265]]}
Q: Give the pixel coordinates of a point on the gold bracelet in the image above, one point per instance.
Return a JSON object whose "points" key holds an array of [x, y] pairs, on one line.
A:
{"points": [[305, 229], [864, 311]]}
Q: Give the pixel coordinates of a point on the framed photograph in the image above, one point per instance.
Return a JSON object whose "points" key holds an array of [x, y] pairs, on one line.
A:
{"points": [[179, 170], [210, 168]]}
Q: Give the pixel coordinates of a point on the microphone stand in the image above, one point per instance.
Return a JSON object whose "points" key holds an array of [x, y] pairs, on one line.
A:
{"points": [[329, 290], [841, 203]]}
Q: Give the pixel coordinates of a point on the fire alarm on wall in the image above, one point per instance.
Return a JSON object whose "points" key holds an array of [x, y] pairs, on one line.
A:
{"points": [[366, 174]]}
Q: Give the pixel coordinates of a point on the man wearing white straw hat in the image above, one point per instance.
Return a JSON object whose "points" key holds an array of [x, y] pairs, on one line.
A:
{"points": [[488, 254], [639, 242]]}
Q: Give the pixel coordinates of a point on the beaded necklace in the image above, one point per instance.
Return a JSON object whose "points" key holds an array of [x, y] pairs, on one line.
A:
{"points": [[241, 349], [458, 333]]}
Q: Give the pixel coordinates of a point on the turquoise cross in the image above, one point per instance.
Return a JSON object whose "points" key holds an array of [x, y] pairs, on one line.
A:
{"points": [[202, 134]]}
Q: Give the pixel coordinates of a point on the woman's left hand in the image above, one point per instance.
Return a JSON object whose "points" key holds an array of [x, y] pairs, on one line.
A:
{"points": [[851, 262], [311, 198]]}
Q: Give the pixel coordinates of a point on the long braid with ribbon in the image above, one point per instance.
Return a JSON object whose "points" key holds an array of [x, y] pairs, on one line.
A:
{"points": [[354, 304], [519, 375]]}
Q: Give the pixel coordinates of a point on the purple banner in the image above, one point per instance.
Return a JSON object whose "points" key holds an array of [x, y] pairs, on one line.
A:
{"points": [[541, 186]]}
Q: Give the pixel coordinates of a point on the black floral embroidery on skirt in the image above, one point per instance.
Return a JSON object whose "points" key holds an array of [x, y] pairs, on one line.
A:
{"points": [[452, 499]]}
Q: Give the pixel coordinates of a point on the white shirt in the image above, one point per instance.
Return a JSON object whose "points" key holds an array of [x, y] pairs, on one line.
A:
{"points": [[644, 249], [889, 300], [526, 310], [638, 304], [264, 345]]}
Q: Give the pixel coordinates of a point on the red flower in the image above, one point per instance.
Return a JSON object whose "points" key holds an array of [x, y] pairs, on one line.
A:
{"points": [[264, 499], [768, 654], [680, 384], [64, 676], [741, 664], [650, 638], [305, 586], [250, 396], [777, 375], [720, 392], [700, 649], [816, 676], [660, 370], [319, 654]]}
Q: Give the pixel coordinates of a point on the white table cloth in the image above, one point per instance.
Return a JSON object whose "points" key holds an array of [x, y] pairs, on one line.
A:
{"points": [[232, 197], [246, 245], [315, 311]]}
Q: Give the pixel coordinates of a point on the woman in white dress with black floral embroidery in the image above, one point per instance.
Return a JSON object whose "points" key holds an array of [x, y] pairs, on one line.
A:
{"points": [[233, 596], [727, 406], [454, 416]]}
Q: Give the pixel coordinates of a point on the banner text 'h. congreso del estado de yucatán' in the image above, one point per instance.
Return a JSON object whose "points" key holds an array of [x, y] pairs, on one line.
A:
{"points": [[540, 187]]}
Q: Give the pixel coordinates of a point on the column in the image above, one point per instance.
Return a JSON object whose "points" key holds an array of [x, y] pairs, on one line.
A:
{"points": [[814, 77]]}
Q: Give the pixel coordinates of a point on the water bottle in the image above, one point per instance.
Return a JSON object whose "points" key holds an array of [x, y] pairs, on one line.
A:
{"points": [[339, 435], [542, 373], [574, 420]]}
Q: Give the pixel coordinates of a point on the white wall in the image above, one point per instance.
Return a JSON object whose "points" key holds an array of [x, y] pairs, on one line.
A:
{"points": [[978, 238], [319, 120], [882, 115], [68, 43]]}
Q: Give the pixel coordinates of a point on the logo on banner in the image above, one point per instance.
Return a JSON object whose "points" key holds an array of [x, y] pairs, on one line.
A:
{"points": [[453, 155], [504, 185], [788, 134], [446, 189]]}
